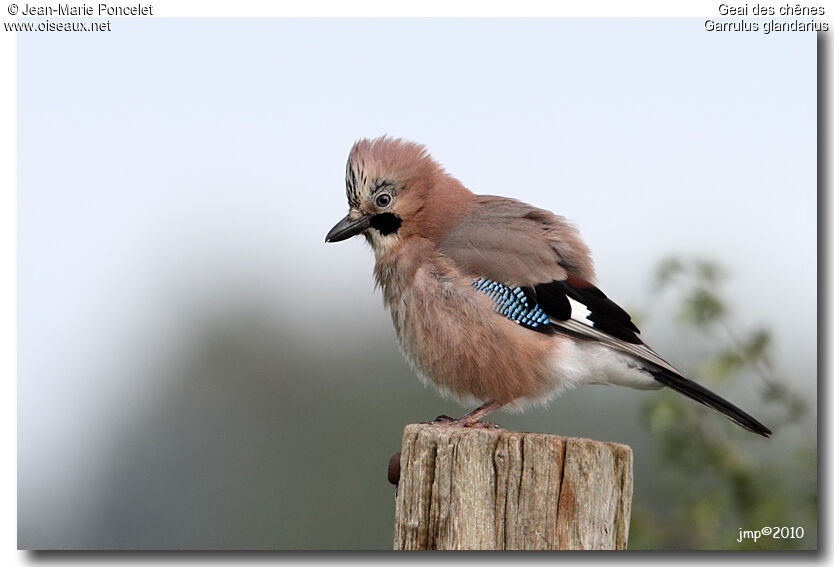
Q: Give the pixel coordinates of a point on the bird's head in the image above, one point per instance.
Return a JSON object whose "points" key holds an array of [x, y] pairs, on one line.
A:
{"points": [[388, 183]]}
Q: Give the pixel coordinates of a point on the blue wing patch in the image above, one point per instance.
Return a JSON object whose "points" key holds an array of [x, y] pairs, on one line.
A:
{"points": [[514, 304]]}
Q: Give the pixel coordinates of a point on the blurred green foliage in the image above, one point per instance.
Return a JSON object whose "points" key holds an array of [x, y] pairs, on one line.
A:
{"points": [[718, 478]]}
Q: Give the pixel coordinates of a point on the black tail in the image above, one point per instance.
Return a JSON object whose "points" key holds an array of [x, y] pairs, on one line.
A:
{"points": [[704, 396]]}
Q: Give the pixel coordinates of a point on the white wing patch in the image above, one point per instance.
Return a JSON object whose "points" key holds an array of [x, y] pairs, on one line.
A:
{"points": [[579, 312]]}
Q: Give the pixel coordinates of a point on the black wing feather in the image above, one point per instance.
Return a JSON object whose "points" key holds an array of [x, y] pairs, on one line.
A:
{"points": [[605, 315], [552, 299]]}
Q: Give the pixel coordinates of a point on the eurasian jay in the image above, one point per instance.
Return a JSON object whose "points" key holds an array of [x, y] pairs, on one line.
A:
{"points": [[493, 300]]}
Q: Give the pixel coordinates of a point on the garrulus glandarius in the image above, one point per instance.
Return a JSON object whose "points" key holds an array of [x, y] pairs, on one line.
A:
{"points": [[493, 300]]}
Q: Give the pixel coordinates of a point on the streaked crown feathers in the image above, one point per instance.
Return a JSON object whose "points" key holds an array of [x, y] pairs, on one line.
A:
{"points": [[384, 162]]}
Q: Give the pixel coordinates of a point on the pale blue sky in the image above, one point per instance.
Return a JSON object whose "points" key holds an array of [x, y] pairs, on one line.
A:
{"points": [[170, 161]]}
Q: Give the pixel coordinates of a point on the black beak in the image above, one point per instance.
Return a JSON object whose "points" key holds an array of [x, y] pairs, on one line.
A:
{"points": [[346, 228]]}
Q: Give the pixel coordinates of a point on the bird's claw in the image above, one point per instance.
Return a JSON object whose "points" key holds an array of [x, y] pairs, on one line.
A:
{"points": [[446, 419], [483, 425], [461, 422]]}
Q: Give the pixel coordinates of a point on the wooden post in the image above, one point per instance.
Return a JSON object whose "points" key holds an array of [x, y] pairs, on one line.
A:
{"points": [[465, 488]]}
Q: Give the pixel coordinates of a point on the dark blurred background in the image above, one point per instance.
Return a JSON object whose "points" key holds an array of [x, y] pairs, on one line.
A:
{"points": [[199, 371]]}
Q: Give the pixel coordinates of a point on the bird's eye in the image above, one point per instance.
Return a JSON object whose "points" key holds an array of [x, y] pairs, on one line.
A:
{"points": [[383, 200]]}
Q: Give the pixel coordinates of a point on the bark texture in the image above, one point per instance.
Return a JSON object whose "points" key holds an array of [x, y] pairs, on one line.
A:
{"points": [[463, 488]]}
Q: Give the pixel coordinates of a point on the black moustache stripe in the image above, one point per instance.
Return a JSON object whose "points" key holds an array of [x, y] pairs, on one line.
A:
{"points": [[386, 223]]}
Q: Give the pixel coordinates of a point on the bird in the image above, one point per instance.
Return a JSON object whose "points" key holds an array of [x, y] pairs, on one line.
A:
{"points": [[493, 301]]}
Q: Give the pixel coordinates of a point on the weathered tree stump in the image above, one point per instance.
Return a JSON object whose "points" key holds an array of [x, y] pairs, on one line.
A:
{"points": [[465, 488]]}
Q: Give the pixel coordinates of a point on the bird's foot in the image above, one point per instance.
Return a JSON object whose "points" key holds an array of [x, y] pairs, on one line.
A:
{"points": [[483, 425], [462, 422], [442, 420]]}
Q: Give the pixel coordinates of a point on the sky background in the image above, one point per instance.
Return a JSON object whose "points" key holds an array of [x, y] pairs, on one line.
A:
{"points": [[196, 367]]}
